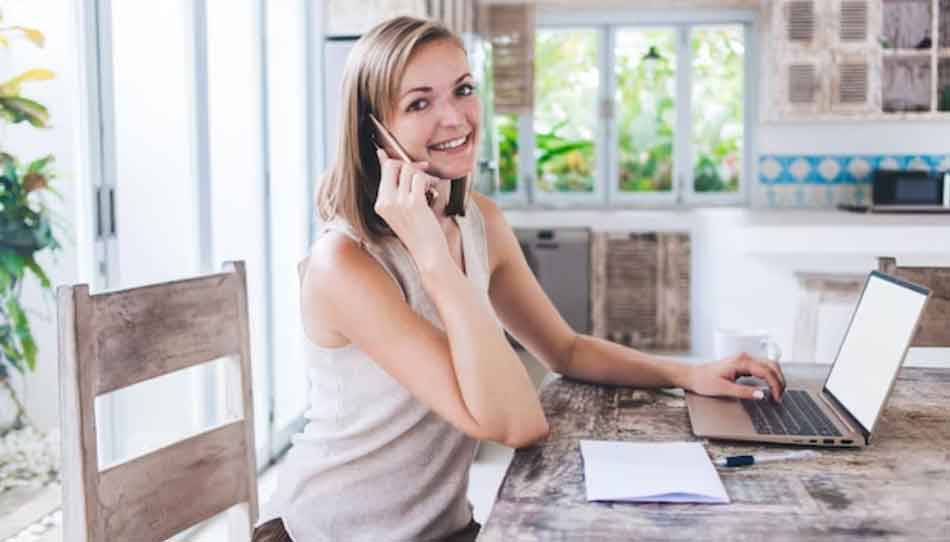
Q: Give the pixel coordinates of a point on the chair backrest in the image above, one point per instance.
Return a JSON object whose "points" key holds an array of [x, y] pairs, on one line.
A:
{"points": [[113, 340], [817, 290], [934, 330]]}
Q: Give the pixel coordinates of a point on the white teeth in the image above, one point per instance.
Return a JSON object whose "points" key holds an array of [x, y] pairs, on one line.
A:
{"points": [[450, 144]]}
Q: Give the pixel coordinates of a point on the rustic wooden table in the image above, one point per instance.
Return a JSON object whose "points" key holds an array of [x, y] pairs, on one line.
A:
{"points": [[898, 488]]}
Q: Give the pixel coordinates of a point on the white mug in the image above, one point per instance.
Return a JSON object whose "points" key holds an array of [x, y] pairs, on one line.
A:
{"points": [[756, 343]]}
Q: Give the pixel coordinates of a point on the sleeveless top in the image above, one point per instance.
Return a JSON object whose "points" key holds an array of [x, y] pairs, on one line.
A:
{"points": [[372, 462]]}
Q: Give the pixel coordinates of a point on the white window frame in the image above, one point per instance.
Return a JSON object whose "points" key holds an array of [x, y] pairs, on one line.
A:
{"points": [[606, 193]]}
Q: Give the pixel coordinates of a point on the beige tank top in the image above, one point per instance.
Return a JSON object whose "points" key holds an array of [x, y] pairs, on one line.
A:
{"points": [[373, 463]]}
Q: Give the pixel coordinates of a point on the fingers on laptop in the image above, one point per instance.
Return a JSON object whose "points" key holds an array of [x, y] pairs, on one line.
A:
{"points": [[741, 391], [765, 369]]}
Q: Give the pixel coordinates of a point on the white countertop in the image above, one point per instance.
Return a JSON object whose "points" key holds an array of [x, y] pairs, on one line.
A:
{"points": [[606, 219]]}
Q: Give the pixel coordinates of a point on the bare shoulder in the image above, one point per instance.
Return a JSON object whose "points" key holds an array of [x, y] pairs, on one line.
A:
{"points": [[339, 276], [490, 211]]}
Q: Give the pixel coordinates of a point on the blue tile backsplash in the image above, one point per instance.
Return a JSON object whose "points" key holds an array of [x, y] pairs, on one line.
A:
{"points": [[827, 180]]}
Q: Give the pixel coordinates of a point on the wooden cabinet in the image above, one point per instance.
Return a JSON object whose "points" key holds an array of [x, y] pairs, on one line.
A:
{"points": [[857, 58]]}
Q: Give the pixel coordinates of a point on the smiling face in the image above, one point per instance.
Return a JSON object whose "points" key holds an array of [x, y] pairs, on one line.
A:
{"points": [[436, 112]]}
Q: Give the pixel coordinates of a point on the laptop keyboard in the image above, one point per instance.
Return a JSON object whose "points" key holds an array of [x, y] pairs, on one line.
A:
{"points": [[797, 414]]}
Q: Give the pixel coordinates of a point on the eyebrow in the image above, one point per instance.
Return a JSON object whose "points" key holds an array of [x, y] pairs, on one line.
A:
{"points": [[429, 89]]}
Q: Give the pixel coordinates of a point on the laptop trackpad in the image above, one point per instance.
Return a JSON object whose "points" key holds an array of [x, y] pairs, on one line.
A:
{"points": [[717, 416]]}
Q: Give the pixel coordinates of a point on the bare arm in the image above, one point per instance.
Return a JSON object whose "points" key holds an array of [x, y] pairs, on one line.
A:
{"points": [[468, 374], [530, 316], [494, 383]]}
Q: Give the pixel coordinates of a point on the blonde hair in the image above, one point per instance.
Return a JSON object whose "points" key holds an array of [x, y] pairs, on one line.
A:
{"points": [[371, 81]]}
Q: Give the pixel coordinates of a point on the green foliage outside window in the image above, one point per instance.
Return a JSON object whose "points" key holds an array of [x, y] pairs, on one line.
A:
{"points": [[566, 79], [506, 127], [26, 222], [566, 95], [718, 80], [646, 109]]}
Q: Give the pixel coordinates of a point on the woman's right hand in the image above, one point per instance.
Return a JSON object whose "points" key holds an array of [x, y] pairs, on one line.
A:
{"points": [[401, 202]]}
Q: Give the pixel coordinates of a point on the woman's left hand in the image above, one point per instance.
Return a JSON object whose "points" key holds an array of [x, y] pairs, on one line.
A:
{"points": [[719, 378]]}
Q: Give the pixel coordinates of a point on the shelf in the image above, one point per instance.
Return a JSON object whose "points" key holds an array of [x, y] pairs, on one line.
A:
{"points": [[903, 82], [803, 118], [906, 23], [906, 84], [909, 53]]}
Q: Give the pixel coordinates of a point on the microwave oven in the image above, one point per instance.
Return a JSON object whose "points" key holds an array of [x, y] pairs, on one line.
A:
{"points": [[895, 190]]}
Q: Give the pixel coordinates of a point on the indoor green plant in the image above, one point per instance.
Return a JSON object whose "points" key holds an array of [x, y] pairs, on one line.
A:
{"points": [[25, 220]]}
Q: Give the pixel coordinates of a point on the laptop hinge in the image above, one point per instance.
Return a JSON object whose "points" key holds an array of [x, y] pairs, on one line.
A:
{"points": [[844, 417]]}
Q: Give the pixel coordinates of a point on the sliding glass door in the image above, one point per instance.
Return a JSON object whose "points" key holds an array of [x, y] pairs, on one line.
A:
{"points": [[206, 157], [148, 209]]}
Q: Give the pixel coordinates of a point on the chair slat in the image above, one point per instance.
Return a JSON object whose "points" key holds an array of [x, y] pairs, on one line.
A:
{"points": [[934, 329], [148, 332], [935, 325], [143, 499]]}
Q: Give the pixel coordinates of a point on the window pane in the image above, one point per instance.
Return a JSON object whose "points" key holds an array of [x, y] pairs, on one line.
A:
{"points": [[646, 108], [290, 204], [156, 212], [506, 129], [718, 82], [565, 118]]}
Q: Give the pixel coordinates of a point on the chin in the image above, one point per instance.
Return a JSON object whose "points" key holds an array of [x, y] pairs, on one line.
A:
{"points": [[458, 167]]}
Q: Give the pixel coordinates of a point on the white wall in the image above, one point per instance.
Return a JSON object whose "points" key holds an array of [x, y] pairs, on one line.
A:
{"points": [[744, 261], [55, 19], [871, 137]]}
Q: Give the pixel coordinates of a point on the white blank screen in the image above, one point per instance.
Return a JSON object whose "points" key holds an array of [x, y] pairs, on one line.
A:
{"points": [[874, 347]]}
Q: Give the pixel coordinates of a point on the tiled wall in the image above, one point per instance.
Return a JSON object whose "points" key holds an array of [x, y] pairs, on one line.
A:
{"points": [[826, 181]]}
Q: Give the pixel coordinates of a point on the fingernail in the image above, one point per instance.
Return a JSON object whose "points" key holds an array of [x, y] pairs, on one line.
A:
{"points": [[758, 394]]}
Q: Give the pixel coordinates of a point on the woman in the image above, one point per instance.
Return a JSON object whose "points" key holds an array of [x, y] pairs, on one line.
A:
{"points": [[403, 299]]}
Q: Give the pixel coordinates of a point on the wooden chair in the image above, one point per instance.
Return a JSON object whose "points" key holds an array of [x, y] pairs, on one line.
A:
{"points": [[934, 329], [113, 340], [817, 289]]}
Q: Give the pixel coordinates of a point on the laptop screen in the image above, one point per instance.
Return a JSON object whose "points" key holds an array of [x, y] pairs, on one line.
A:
{"points": [[882, 326]]}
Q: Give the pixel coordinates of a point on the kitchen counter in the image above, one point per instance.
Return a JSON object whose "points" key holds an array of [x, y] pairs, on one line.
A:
{"points": [[744, 261]]}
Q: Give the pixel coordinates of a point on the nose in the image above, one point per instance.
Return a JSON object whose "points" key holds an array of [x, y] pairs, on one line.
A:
{"points": [[451, 114]]}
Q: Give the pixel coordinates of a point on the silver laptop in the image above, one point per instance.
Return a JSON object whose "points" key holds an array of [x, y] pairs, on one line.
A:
{"points": [[844, 410]]}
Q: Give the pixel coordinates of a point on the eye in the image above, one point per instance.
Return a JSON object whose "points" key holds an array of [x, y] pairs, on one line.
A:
{"points": [[418, 105], [465, 89]]}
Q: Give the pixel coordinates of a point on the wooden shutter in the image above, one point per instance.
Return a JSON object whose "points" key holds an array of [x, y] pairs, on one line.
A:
{"points": [[854, 21], [853, 83], [802, 84], [943, 24], [640, 289], [457, 15], [510, 29], [800, 21]]}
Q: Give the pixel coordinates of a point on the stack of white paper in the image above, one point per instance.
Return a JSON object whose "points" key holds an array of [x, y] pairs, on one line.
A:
{"points": [[650, 472]]}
